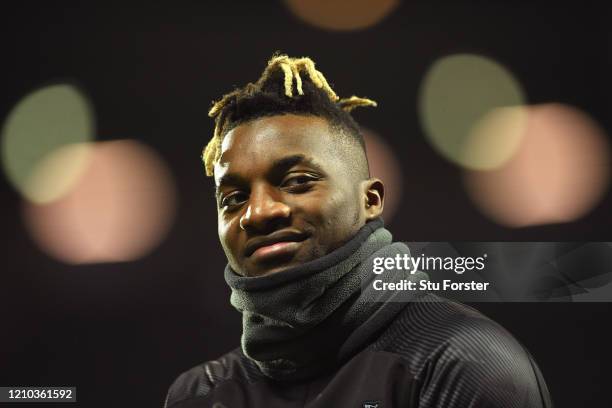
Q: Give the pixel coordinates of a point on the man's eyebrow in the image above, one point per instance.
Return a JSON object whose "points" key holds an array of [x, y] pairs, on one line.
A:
{"points": [[230, 179], [285, 163]]}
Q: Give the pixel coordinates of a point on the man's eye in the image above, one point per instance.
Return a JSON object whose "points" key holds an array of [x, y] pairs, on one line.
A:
{"points": [[298, 181], [233, 199]]}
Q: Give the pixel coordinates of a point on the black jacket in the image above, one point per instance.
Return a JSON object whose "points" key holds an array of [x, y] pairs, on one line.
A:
{"points": [[434, 353]]}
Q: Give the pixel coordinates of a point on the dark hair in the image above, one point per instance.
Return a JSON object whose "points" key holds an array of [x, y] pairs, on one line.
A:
{"points": [[274, 94]]}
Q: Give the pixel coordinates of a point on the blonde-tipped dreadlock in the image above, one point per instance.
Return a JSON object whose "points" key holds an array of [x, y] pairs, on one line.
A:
{"points": [[292, 70]]}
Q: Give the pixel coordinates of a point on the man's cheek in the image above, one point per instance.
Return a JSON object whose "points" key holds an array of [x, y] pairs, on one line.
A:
{"points": [[227, 235], [222, 229]]}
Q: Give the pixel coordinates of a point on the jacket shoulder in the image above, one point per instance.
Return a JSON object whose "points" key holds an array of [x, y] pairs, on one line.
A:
{"points": [[461, 356], [199, 381], [433, 323]]}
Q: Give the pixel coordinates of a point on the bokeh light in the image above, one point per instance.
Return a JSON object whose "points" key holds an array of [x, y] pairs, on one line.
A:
{"points": [[457, 94], [119, 210], [44, 120], [57, 172], [385, 166], [559, 172], [495, 138], [342, 15]]}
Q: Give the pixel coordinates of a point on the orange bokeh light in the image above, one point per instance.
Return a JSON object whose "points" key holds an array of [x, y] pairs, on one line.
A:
{"points": [[342, 15], [120, 209], [559, 172]]}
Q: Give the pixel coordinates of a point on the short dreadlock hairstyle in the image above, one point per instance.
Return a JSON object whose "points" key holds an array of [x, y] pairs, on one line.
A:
{"points": [[286, 86]]}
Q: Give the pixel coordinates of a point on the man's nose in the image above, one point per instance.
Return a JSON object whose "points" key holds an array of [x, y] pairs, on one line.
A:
{"points": [[264, 211]]}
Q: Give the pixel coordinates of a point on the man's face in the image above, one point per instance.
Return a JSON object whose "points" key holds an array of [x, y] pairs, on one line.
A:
{"points": [[285, 194]]}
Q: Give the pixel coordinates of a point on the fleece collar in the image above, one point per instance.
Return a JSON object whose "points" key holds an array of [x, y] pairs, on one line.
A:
{"points": [[303, 320]]}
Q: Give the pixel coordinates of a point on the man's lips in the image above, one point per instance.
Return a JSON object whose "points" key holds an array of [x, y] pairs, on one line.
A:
{"points": [[275, 243], [275, 250]]}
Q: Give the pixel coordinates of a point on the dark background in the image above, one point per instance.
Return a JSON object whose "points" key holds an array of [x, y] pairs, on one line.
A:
{"points": [[122, 332]]}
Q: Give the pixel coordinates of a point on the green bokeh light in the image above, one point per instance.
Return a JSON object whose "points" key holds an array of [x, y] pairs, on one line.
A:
{"points": [[457, 93], [43, 121]]}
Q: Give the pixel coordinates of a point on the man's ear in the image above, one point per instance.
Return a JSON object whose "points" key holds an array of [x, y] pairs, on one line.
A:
{"points": [[374, 198]]}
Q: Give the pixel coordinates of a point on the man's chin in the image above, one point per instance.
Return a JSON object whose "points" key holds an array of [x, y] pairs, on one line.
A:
{"points": [[270, 269], [274, 266]]}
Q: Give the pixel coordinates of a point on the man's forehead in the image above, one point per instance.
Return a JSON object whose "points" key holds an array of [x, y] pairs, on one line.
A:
{"points": [[287, 130], [266, 140]]}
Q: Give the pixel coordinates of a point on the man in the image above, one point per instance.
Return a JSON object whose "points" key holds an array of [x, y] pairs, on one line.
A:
{"points": [[299, 221]]}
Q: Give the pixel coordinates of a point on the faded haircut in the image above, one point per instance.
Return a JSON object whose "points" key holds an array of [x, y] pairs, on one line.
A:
{"points": [[286, 86]]}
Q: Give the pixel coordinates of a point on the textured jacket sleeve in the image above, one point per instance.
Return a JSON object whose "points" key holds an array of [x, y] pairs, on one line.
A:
{"points": [[482, 366], [193, 383]]}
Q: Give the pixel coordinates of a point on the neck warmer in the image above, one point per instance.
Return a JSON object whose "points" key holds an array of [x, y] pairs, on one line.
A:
{"points": [[304, 320]]}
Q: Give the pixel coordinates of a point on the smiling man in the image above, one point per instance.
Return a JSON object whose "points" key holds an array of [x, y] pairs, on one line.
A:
{"points": [[305, 198], [299, 221]]}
